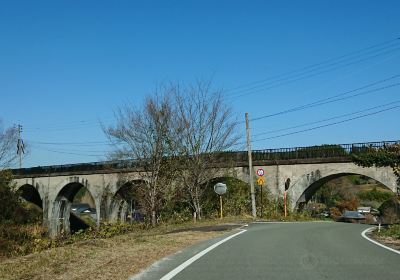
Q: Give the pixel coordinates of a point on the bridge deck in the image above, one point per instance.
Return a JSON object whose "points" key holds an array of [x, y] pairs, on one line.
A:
{"points": [[285, 156]]}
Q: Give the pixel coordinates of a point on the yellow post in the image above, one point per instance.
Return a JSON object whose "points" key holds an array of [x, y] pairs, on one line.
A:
{"points": [[220, 204]]}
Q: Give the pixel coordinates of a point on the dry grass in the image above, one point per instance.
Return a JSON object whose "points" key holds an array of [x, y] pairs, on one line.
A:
{"points": [[114, 258], [388, 241]]}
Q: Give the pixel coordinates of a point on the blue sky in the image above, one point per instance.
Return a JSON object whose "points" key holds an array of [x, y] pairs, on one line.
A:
{"points": [[66, 65]]}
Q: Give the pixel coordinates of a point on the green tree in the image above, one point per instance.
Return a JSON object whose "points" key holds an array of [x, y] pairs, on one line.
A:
{"points": [[380, 157]]}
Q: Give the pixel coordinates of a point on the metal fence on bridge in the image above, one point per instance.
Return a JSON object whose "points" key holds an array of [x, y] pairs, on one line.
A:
{"points": [[313, 152], [321, 151]]}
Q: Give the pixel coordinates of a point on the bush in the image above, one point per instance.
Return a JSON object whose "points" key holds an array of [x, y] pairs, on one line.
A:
{"points": [[23, 239], [236, 201], [12, 209], [335, 212], [349, 204], [391, 231], [375, 195], [390, 211]]}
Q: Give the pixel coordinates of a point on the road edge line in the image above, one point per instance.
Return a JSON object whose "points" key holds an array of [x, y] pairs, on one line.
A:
{"points": [[363, 234], [182, 266]]}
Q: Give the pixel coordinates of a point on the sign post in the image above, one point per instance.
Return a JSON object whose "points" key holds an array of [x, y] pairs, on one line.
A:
{"points": [[287, 185], [220, 189], [260, 182]]}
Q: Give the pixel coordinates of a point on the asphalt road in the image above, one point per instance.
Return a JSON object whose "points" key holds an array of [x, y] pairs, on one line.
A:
{"points": [[293, 251]]}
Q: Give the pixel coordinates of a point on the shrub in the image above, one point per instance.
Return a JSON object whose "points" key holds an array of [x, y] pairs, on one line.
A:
{"points": [[375, 195], [390, 211]]}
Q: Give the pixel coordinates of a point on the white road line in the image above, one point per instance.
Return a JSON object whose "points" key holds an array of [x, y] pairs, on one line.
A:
{"points": [[267, 222], [363, 234], [181, 267]]}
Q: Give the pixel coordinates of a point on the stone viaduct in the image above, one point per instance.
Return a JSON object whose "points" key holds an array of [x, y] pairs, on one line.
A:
{"points": [[53, 187]]}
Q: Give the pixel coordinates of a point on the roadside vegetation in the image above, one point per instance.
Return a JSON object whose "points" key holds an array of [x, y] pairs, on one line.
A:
{"points": [[390, 209], [20, 222], [390, 231], [87, 256], [177, 126]]}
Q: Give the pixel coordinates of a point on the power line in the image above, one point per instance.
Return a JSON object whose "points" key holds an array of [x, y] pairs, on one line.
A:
{"points": [[293, 80], [327, 125], [325, 120], [89, 143], [333, 98], [290, 77], [314, 65], [95, 122], [77, 150], [68, 153], [69, 125]]}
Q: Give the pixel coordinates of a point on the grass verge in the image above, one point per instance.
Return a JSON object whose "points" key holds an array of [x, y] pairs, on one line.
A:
{"points": [[389, 236], [117, 257]]}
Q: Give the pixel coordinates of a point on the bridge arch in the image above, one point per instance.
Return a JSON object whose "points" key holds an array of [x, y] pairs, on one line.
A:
{"points": [[30, 194], [303, 187], [123, 202], [63, 220]]}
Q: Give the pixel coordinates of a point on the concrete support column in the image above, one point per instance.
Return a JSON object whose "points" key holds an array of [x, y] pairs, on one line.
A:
{"points": [[54, 214], [59, 217], [45, 208], [98, 202], [123, 211], [114, 209]]}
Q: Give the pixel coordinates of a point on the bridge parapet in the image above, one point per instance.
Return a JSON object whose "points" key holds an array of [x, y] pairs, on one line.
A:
{"points": [[332, 153]]}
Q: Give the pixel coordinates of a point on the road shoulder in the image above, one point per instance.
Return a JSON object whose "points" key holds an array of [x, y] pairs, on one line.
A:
{"points": [[167, 264], [386, 243]]}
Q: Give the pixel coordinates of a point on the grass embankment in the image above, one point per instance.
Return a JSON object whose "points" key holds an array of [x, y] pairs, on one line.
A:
{"points": [[116, 257], [389, 236]]}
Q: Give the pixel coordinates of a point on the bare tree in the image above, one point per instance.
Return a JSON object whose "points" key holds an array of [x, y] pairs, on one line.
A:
{"points": [[204, 127], [8, 142], [143, 137]]}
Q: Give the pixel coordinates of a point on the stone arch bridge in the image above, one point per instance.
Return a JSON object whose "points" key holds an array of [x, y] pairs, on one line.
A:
{"points": [[53, 187]]}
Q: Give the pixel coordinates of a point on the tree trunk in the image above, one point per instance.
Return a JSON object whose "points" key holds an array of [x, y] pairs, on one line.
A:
{"points": [[197, 209], [153, 218]]}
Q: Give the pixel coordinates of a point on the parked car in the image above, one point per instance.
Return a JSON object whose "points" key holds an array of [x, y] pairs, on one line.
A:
{"points": [[83, 209], [352, 217]]}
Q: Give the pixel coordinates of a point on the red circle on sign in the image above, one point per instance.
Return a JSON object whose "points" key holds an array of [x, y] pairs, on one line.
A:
{"points": [[260, 172]]}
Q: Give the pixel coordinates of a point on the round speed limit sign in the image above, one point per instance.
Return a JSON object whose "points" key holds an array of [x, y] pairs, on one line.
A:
{"points": [[260, 172]]}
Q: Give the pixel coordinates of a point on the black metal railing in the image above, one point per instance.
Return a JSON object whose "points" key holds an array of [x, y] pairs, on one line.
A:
{"points": [[320, 151], [297, 153]]}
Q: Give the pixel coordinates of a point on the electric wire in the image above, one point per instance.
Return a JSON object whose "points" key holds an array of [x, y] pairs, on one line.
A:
{"points": [[332, 99], [90, 143], [68, 153], [396, 40], [325, 120], [296, 77], [327, 125], [78, 124], [291, 76]]}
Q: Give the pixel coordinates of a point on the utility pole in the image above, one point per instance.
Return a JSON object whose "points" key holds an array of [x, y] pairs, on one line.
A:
{"points": [[253, 197], [20, 145]]}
